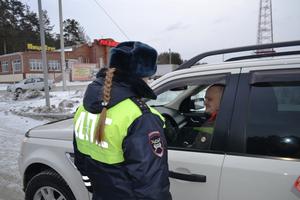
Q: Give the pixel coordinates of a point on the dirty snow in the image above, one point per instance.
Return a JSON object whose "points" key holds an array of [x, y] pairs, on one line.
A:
{"points": [[14, 123], [3, 86]]}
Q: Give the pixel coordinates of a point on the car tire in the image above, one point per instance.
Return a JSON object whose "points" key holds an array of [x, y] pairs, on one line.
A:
{"points": [[19, 90], [48, 185], [43, 89]]}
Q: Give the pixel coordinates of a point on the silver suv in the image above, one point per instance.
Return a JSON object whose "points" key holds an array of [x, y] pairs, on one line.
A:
{"points": [[253, 152]]}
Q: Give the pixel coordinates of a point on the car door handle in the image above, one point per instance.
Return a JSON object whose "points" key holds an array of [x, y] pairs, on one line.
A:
{"points": [[188, 177]]}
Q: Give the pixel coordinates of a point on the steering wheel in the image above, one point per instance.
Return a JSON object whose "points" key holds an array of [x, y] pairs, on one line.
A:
{"points": [[171, 129]]}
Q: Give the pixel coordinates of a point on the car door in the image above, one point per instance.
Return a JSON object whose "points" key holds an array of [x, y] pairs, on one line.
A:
{"points": [[39, 83], [36, 84], [194, 173], [263, 155], [28, 84]]}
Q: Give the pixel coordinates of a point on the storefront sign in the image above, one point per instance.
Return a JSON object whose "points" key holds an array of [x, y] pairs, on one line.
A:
{"points": [[39, 48], [83, 71], [110, 43]]}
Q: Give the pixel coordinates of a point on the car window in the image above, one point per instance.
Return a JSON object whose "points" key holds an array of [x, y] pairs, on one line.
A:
{"points": [[165, 98], [29, 81], [273, 119], [188, 126], [39, 80]]}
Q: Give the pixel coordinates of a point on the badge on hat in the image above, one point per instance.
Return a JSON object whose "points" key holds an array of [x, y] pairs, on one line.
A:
{"points": [[156, 143]]}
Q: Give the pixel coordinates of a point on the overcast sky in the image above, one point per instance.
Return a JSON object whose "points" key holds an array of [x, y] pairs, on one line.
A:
{"points": [[188, 27]]}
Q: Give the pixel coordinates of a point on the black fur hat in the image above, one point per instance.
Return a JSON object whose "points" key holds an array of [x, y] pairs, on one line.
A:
{"points": [[136, 58]]}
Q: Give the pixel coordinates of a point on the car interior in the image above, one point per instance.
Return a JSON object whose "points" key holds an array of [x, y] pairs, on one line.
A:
{"points": [[184, 111]]}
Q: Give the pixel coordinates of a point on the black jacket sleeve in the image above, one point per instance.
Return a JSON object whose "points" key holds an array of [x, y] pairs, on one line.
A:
{"points": [[146, 161]]}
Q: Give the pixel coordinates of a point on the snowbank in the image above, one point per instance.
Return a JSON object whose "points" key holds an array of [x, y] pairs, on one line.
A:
{"points": [[32, 104], [57, 84], [68, 83], [3, 86]]}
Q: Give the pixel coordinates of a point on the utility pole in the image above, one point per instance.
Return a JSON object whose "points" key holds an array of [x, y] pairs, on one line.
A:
{"points": [[170, 57], [13, 71], [4, 46], [44, 57], [62, 46]]}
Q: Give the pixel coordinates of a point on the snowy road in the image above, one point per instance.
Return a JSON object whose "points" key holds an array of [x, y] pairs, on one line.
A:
{"points": [[12, 130], [10, 180]]}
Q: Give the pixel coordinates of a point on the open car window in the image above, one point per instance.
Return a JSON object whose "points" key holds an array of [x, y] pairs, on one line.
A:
{"points": [[183, 108]]}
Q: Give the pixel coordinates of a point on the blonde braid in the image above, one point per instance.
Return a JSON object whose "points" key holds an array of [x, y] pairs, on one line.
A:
{"points": [[99, 136]]}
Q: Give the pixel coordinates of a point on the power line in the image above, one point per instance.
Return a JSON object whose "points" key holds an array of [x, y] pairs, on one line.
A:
{"points": [[115, 23]]}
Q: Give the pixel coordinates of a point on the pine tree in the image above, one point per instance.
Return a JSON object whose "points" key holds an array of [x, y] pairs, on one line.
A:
{"points": [[165, 58], [73, 33], [20, 26], [11, 11]]}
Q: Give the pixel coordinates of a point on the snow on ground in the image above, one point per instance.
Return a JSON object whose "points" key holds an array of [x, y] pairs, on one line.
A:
{"points": [[34, 102], [13, 126], [72, 83], [10, 181], [3, 86]]}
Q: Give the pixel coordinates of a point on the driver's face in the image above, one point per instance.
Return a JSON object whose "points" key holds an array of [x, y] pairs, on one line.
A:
{"points": [[212, 99]]}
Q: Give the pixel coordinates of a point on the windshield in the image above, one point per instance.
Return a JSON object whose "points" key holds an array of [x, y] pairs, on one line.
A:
{"points": [[164, 98]]}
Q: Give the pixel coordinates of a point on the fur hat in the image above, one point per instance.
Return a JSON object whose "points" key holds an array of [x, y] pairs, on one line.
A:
{"points": [[136, 58]]}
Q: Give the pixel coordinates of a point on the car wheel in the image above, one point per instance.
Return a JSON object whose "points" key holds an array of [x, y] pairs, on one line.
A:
{"points": [[19, 90], [43, 89], [48, 185]]}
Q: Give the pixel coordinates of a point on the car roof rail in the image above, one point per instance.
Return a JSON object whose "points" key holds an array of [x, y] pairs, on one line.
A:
{"points": [[273, 54], [199, 57]]}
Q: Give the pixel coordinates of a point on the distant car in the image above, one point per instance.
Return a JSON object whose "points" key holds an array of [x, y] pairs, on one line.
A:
{"points": [[29, 84], [252, 153]]}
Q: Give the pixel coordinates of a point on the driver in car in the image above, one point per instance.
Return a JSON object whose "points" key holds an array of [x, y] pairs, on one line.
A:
{"points": [[212, 101]]}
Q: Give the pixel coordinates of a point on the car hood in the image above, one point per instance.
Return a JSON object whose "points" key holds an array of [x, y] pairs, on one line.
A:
{"points": [[61, 130]]}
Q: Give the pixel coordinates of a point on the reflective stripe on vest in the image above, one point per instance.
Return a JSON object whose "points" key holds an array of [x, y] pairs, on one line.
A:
{"points": [[117, 122]]}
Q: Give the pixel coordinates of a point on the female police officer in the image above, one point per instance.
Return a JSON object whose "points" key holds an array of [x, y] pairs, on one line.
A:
{"points": [[119, 145]]}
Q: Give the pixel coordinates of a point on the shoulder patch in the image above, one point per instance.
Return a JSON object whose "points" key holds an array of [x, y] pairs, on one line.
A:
{"points": [[156, 143]]}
